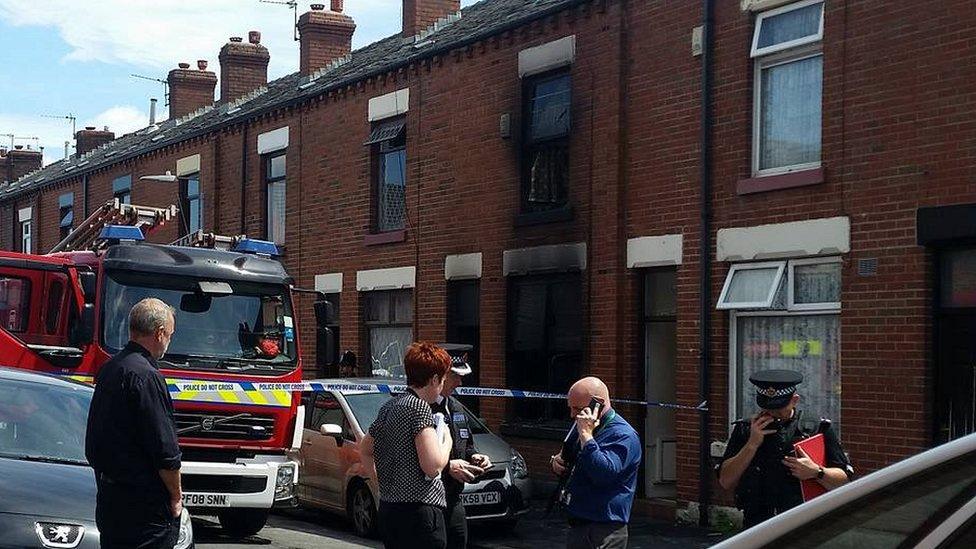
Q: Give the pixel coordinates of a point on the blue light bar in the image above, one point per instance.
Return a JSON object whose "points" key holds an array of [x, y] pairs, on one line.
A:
{"points": [[259, 247], [122, 232]]}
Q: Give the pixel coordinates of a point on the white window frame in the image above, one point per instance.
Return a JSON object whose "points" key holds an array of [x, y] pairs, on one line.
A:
{"points": [[791, 305], [771, 56], [27, 236], [756, 51], [768, 302], [734, 357]]}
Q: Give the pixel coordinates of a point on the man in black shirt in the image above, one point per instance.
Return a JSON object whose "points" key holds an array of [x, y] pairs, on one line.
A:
{"points": [[465, 465], [131, 441]]}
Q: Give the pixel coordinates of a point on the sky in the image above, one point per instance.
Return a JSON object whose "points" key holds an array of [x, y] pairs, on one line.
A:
{"points": [[72, 57]]}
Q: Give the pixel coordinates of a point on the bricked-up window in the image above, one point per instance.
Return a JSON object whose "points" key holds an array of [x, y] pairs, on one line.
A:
{"points": [[788, 88], [797, 329], [66, 214], [387, 141], [275, 176], [388, 316], [545, 177], [122, 189], [545, 340], [191, 203]]}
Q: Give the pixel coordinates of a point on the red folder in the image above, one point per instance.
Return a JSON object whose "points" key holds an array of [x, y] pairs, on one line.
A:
{"points": [[814, 448]]}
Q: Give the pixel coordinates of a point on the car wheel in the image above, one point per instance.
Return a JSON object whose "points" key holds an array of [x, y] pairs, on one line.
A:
{"points": [[241, 523], [362, 510]]}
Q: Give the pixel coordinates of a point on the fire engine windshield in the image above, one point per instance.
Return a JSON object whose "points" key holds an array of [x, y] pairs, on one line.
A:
{"points": [[230, 325]]}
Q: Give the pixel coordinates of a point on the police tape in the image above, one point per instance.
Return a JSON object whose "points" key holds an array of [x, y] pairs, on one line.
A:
{"points": [[197, 388]]}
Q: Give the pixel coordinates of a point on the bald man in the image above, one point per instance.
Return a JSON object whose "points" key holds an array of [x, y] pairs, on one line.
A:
{"points": [[601, 457]]}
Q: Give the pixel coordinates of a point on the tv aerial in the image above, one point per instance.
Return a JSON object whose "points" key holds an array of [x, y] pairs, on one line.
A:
{"points": [[293, 5], [161, 81]]}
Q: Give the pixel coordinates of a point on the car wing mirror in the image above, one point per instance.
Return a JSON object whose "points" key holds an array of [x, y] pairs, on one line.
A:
{"points": [[332, 430]]}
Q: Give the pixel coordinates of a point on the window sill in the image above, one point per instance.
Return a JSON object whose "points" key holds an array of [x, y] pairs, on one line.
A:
{"points": [[778, 182], [389, 237], [557, 215], [540, 431]]}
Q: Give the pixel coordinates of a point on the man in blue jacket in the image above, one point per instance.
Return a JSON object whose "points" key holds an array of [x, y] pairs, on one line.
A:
{"points": [[601, 457]]}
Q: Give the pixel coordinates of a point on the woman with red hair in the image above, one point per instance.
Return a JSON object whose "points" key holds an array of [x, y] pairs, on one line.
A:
{"points": [[409, 453]]}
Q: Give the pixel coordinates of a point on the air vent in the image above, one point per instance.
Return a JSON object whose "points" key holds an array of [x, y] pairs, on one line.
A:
{"points": [[867, 267]]}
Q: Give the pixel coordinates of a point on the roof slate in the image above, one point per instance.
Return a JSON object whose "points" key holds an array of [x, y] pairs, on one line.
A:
{"points": [[479, 21]]}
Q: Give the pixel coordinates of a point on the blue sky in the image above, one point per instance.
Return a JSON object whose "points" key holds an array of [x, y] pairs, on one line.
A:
{"points": [[69, 56]]}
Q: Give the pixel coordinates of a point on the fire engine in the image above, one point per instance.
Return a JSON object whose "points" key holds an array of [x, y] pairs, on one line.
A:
{"points": [[66, 313]]}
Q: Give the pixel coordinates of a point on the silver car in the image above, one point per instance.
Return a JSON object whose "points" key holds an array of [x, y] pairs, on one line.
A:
{"points": [[331, 476]]}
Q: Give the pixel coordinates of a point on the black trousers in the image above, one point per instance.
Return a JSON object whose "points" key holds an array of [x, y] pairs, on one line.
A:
{"points": [[412, 526], [456, 524], [134, 518]]}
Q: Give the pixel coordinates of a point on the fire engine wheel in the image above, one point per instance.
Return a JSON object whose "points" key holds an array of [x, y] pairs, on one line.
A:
{"points": [[241, 523], [362, 510]]}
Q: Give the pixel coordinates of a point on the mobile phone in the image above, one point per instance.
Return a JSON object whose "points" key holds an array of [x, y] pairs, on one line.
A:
{"points": [[595, 405]]}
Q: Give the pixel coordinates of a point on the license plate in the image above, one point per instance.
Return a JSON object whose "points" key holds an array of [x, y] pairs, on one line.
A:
{"points": [[205, 500], [480, 498]]}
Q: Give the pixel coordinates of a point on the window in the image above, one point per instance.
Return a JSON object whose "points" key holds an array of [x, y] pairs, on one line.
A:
{"points": [[545, 340], [795, 327], [26, 242], [122, 189], [66, 214], [52, 313], [14, 303], [275, 175], [389, 153], [388, 316], [191, 203], [464, 326], [545, 169], [898, 515], [788, 88]]}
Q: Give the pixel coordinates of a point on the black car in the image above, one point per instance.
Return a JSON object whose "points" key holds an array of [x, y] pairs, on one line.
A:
{"points": [[47, 489]]}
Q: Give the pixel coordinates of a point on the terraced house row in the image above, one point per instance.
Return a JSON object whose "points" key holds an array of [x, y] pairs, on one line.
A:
{"points": [[669, 195]]}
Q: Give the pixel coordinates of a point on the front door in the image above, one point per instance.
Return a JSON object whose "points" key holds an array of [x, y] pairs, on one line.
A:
{"points": [[955, 375], [660, 350]]}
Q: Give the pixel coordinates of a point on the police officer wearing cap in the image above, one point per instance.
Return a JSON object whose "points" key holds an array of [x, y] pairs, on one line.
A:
{"points": [[465, 464], [760, 462]]}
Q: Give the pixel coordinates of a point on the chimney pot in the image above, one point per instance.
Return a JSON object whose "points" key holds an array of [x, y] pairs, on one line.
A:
{"points": [[89, 128], [254, 37], [202, 64], [337, 6], [236, 39], [184, 65], [318, 7], [18, 147]]}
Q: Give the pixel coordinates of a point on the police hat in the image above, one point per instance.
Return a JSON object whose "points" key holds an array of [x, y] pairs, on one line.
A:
{"points": [[459, 357], [775, 388]]}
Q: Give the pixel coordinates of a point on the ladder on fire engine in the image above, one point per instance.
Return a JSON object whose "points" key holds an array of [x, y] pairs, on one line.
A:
{"points": [[114, 212], [201, 239]]}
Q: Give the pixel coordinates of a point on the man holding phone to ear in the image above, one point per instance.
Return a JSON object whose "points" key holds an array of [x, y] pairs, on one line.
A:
{"points": [[601, 457]]}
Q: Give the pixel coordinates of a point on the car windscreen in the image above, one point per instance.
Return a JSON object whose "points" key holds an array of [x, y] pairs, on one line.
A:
{"points": [[366, 406], [242, 321], [43, 422]]}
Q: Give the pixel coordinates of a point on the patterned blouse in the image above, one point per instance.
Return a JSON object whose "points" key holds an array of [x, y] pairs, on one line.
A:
{"points": [[400, 477]]}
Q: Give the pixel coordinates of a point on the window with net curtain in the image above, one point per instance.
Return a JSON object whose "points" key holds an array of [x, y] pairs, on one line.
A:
{"points": [[788, 87], [388, 316], [276, 180], [798, 330], [388, 150]]}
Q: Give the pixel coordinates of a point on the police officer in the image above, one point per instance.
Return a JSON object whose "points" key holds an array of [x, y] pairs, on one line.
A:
{"points": [[465, 464], [131, 439], [760, 463]]}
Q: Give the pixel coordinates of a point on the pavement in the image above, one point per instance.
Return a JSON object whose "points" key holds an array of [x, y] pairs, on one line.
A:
{"points": [[308, 529]]}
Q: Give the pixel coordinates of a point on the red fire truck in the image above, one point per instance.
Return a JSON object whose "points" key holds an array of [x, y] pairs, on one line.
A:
{"points": [[66, 313]]}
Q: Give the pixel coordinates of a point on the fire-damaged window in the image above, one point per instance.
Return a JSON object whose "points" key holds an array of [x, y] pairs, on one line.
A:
{"points": [[122, 189], [66, 214], [387, 141], [545, 341], [545, 154], [388, 316], [275, 176]]}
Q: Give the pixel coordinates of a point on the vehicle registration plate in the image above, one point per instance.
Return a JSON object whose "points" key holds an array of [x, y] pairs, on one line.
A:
{"points": [[205, 500], [480, 498]]}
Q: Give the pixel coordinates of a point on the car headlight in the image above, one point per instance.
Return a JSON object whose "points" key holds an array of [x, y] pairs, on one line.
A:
{"points": [[186, 531], [519, 469], [285, 483]]}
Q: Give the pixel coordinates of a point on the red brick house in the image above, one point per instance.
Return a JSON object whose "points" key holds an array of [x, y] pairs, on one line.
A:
{"points": [[528, 177]]}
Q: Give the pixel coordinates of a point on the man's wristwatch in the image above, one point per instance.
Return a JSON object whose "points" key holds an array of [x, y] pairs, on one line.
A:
{"points": [[820, 474]]}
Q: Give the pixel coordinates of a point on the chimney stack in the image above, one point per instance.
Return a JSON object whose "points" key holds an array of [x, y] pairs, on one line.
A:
{"points": [[19, 162], [419, 15], [190, 90], [90, 139], [243, 66], [325, 36]]}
